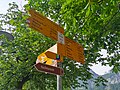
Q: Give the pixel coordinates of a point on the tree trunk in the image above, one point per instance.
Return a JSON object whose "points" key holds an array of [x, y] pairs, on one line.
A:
{"points": [[22, 82]]}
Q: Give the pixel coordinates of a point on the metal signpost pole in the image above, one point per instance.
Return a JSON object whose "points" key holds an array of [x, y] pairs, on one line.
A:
{"points": [[59, 79]]}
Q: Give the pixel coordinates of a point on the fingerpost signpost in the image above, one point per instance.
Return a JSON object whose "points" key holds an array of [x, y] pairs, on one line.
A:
{"points": [[48, 60]]}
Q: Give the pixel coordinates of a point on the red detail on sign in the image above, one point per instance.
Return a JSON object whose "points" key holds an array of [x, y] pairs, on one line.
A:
{"points": [[49, 69]]}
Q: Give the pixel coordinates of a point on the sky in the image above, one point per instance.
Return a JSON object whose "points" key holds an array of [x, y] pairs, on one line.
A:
{"points": [[4, 4], [100, 70]]}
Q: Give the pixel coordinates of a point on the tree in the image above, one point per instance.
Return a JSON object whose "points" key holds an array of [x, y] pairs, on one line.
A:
{"points": [[92, 23]]}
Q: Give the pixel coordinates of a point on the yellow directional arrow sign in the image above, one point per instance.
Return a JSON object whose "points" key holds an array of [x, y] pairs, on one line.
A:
{"points": [[72, 50], [54, 56], [44, 25], [45, 21], [39, 27]]}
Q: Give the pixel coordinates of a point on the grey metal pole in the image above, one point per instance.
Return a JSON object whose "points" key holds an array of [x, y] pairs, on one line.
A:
{"points": [[59, 79]]}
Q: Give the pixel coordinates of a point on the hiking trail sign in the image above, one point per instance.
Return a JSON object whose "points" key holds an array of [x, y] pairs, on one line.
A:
{"points": [[65, 46]]}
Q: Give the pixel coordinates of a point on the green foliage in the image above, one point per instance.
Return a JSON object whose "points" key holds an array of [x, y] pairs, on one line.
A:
{"points": [[92, 23]]}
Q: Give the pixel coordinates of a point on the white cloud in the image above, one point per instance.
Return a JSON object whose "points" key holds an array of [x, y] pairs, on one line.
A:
{"points": [[99, 69]]}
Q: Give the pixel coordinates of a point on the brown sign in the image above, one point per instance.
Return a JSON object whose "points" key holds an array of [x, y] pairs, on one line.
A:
{"points": [[49, 69]]}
